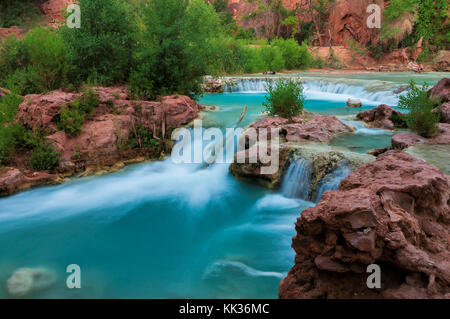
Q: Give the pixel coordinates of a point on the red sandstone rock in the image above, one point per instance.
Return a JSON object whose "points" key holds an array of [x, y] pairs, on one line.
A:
{"points": [[39, 110], [442, 61], [442, 90], [13, 180], [53, 9], [103, 133], [393, 212], [404, 140], [319, 128], [379, 117], [445, 113]]}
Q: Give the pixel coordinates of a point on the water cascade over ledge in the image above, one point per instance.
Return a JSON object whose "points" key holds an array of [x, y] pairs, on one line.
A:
{"points": [[296, 183], [370, 92]]}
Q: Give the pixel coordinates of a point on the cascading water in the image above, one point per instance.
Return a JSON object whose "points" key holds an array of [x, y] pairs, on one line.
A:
{"points": [[297, 179], [332, 180], [370, 92]]}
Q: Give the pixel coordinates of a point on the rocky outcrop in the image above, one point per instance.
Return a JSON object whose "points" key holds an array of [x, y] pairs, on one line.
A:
{"points": [[404, 140], [381, 116], [13, 180], [302, 137], [444, 110], [441, 90], [441, 62], [394, 213], [212, 85], [102, 143]]}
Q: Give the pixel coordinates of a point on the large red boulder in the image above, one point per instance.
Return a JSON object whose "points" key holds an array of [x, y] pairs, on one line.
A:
{"points": [[442, 90], [305, 128], [394, 213], [379, 117]]}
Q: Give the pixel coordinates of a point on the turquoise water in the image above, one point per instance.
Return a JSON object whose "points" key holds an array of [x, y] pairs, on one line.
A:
{"points": [[165, 230]]}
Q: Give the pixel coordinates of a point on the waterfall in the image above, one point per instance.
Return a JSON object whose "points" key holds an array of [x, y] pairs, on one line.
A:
{"points": [[371, 92], [332, 180], [297, 180]]}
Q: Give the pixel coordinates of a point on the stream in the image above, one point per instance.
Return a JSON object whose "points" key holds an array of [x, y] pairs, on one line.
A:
{"points": [[166, 230]]}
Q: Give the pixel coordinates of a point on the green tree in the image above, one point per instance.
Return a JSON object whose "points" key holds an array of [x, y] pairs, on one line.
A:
{"points": [[102, 48], [176, 49]]}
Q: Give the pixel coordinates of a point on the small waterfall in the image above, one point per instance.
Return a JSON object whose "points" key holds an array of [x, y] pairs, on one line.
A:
{"points": [[332, 180], [296, 182], [375, 92]]}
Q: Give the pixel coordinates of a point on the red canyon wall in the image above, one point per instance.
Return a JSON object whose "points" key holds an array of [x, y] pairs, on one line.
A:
{"points": [[347, 18]]}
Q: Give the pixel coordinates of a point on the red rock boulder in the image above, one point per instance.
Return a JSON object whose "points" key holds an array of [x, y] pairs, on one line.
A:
{"points": [[394, 213], [379, 117], [442, 90]]}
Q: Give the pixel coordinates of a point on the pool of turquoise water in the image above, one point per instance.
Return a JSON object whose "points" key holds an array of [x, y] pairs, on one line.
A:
{"points": [[162, 230]]}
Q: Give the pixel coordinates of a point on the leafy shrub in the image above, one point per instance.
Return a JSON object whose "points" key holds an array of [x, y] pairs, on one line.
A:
{"points": [[11, 133], [9, 106], [71, 117], [273, 58], [142, 138], [294, 55], [17, 12], [284, 99], [102, 48], [421, 117], [35, 64], [44, 157]]}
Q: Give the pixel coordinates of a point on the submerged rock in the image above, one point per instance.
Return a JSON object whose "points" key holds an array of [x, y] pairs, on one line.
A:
{"points": [[382, 116], [26, 281], [437, 155], [393, 212]]}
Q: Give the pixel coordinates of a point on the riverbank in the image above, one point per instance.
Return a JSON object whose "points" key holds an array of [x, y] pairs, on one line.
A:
{"points": [[118, 132]]}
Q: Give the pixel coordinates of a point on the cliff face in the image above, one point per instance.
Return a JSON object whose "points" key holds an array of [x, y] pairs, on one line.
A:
{"points": [[346, 19]]}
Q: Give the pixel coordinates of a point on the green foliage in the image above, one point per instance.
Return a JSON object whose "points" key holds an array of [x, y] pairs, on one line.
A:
{"points": [[17, 12], [142, 138], [429, 19], [35, 64], [284, 99], [71, 117], [294, 55], [421, 117], [273, 58], [11, 133], [9, 106], [102, 48], [176, 49], [43, 157]]}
